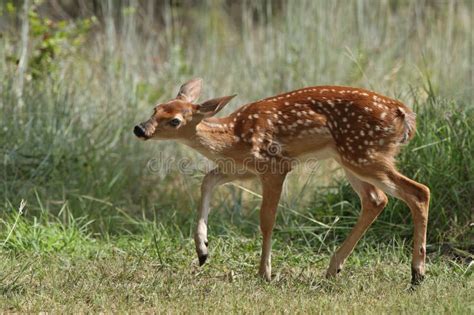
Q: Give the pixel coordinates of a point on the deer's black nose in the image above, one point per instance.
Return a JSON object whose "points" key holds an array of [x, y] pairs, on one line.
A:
{"points": [[139, 131]]}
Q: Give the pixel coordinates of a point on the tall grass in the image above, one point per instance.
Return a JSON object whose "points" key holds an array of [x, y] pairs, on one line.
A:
{"points": [[71, 147]]}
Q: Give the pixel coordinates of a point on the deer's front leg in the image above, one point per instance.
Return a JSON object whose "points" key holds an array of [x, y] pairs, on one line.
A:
{"points": [[271, 187], [211, 180]]}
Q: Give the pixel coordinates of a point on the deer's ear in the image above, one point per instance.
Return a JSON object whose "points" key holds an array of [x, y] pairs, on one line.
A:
{"points": [[190, 90], [211, 107]]}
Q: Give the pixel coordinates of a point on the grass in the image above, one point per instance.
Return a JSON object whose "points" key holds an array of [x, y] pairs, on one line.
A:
{"points": [[58, 283], [101, 229], [157, 271]]}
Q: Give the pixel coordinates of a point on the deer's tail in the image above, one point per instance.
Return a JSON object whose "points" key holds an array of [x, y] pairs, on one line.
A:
{"points": [[408, 120]]}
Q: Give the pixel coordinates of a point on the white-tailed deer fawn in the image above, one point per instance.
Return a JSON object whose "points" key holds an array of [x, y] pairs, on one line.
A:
{"points": [[359, 129]]}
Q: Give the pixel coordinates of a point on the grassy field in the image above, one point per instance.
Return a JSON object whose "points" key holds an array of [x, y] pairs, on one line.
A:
{"points": [[89, 223], [140, 274]]}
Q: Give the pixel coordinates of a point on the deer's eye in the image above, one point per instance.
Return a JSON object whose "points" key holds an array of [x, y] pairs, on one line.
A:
{"points": [[175, 122]]}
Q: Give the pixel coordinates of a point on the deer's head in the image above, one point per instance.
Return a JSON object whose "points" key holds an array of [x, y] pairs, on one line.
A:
{"points": [[178, 117]]}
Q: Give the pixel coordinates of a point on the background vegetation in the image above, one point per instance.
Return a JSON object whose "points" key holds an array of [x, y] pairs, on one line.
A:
{"points": [[76, 76]]}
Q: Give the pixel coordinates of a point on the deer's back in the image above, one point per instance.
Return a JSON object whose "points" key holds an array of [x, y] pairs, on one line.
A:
{"points": [[357, 124]]}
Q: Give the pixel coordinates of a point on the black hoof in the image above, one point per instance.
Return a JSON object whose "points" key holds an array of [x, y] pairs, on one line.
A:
{"points": [[202, 259], [416, 277]]}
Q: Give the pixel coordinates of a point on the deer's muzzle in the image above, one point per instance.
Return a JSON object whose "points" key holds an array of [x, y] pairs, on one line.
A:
{"points": [[139, 131]]}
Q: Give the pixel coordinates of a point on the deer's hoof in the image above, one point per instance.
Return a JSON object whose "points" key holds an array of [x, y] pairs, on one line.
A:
{"points": [[202, 259], [202, 251], [416, 277], [265, 275], [332, 272]]}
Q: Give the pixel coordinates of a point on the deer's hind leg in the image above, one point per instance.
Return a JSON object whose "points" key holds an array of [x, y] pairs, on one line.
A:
{"points": [[417, 198], [373, 201], [415, 195]]}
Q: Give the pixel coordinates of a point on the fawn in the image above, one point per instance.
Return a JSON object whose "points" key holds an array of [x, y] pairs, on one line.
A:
{"points": [[359, 129]]}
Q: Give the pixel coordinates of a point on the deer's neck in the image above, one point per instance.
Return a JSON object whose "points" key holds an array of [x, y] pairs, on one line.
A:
{"points": [[213, 137]]}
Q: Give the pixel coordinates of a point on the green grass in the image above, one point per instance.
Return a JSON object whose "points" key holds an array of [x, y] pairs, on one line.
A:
{"points": [[158, 271], [102, 231]]}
